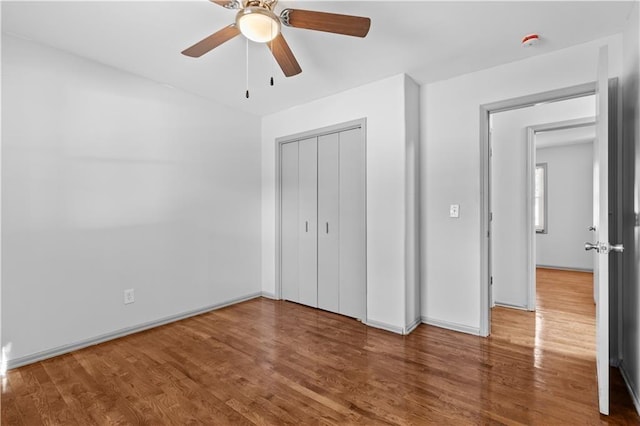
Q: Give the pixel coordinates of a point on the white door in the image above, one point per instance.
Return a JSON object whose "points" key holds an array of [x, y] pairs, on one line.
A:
{"points": [[323, 222], [328, 223], [308, 221], [289, 222], [602, 247], [353, 229]]}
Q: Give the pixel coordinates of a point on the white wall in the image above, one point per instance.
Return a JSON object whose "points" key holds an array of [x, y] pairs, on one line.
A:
{"points": [[509, 192], [450, 161], [630, 366], [382, 103], [109, 182], [569, 207]]}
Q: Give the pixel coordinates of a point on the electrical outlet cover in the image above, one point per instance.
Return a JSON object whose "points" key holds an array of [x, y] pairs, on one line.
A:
{"points": [[129, 296]]}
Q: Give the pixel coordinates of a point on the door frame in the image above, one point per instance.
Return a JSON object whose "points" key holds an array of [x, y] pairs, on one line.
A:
{"points": [[336, 128], [615, 227], [531, 167], [485, 186]]}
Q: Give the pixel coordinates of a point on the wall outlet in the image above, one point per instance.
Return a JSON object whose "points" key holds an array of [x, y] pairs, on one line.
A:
{"points": [[454, 210], [129, 297]]}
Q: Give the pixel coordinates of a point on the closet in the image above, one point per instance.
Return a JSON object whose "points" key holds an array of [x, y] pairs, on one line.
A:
{"points": [[323, 221]]}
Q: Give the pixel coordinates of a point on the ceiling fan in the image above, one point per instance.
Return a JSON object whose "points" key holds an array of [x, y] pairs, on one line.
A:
{"points": [[257, 21]]}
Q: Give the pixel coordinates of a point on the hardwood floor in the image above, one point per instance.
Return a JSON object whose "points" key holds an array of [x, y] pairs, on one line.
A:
{"points": [[272, 362]]}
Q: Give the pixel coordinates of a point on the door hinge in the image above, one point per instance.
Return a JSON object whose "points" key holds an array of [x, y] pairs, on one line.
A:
{"points": [[492, 280]]}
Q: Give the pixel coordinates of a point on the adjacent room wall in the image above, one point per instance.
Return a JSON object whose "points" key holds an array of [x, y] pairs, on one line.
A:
{"points": [[630, 365], [450, 164], [110, 182], [569, 207], [383, 105], [510, 227]]}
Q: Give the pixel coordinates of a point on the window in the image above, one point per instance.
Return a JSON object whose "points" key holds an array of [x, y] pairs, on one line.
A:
{"points": [[540, 203]]}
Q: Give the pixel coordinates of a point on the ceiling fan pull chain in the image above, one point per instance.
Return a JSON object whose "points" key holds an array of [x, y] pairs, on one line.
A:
{"points": [[271, 48], [247, 67]]}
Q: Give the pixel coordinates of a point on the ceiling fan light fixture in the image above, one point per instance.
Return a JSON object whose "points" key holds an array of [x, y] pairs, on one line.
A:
{"points": [[258, 24]]}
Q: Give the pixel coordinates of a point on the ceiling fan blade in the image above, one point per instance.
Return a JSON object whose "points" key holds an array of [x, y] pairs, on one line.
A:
{"points": [[284, 56], [211, 42], [329, 22], [229, 4]]}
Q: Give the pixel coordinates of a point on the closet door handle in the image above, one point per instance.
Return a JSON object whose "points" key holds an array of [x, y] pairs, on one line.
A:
{"points": [[306, 226], [327, 227]]}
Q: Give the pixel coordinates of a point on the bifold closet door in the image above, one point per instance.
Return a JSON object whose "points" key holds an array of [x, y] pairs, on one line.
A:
{"points": [[352, 218], [289, 221], [328, 223], [323, 222], [308, 221]]}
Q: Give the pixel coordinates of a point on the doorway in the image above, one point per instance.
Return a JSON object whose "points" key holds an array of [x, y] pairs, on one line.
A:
{"points": [[542, 198], [608, 182]]}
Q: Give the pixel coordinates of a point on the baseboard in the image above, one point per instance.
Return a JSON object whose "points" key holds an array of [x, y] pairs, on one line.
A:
{"points": [[452, 326], [632, 392], [384, 326], [50, 353], [563, 268], [269, 295], [508, 305], [412, 326]]}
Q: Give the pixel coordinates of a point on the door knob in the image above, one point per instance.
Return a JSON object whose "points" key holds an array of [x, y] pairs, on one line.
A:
{"points": [[592, 228], [616, 247], [592, 246]]}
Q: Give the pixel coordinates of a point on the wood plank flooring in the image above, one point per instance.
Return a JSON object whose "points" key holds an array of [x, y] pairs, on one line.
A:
{"points": [[273, 362]]}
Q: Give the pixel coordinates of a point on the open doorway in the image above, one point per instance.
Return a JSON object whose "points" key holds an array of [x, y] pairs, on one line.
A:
{"points": [[542, 190], [542, 179], [542, 195], [606, 216]]}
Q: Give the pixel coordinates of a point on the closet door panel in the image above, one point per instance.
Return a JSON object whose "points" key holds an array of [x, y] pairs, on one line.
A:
{"points": [[308, 221], [353, 261], [289, 221], [328, 223]]}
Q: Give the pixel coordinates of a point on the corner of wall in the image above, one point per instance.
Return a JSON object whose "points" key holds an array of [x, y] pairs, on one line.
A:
{"points": [[412, 202]]}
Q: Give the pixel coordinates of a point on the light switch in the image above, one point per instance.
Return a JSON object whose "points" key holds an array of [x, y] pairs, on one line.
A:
{"points": [[454, 210]]}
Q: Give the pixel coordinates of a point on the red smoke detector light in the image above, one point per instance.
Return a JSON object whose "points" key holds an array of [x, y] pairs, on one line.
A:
{"points": [[530, 40]]}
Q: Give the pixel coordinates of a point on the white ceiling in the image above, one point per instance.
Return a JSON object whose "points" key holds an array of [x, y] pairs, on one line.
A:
{"points": [[428, 40]]}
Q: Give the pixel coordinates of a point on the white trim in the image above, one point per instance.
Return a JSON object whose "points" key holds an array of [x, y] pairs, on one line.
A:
{"points": [[531, 226], [461, 328], [414, 324], [564, 268], [269, 295], [384, 326], [510, 306], [394, 328], [632, 392], [50, 353]]}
